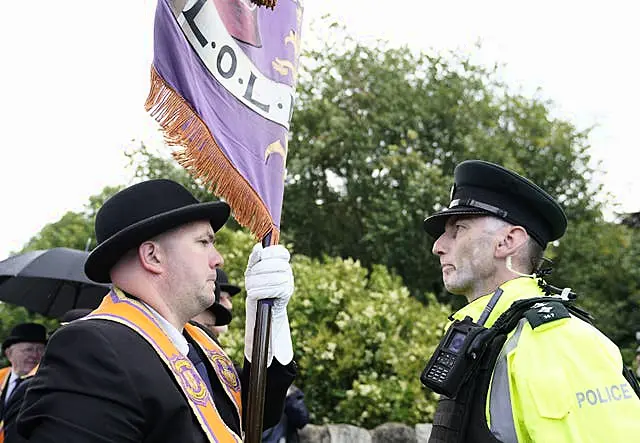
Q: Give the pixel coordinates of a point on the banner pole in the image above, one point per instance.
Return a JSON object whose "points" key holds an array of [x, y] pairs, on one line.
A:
{"points": [[258, 374]]}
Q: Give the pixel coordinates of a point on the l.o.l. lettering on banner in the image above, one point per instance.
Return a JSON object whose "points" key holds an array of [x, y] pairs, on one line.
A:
{"points": [[228, 63]]}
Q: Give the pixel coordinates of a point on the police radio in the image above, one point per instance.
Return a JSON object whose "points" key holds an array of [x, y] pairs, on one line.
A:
{"points": [[458, 353]]}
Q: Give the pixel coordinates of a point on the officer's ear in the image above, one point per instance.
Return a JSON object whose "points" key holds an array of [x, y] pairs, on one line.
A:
{"points": [[513, 238]]}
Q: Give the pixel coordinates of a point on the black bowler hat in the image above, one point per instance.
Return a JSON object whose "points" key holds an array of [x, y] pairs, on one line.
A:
{"points": [[222, 281], [26, 333], [141, 212], [73, 314], [222, 314], [483, 188]]}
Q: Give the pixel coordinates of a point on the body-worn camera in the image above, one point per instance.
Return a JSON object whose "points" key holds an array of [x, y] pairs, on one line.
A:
{"points": [[455, 357]]}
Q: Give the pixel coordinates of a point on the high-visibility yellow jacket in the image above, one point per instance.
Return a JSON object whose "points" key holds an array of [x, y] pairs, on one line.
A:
{"points": [[561, 381]]}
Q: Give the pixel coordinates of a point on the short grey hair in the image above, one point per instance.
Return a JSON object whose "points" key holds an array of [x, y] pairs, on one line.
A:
{"points": [[534, 253], [530, 257]]}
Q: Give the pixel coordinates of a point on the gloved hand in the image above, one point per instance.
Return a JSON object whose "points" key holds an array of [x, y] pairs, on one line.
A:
{"points": [[269, 275]]}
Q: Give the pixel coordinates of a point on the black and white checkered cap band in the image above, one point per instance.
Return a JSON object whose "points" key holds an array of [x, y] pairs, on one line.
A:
{"points": [[480, 205]]}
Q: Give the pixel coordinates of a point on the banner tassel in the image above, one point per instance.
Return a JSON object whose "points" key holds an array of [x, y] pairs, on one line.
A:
{"points": [[266, 3], [203, 158]]}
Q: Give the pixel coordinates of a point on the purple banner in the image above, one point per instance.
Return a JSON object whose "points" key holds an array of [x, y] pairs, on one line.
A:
{"points": [[233, 67]]}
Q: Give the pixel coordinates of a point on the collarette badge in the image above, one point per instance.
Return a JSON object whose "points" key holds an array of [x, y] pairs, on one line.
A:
{"points": [[190, 380], [225, 370]]}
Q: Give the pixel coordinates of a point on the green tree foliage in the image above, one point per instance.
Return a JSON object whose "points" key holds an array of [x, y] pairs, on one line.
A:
{"points": [[360, 339], [149, 164], [376, 135], [73, 230], [12, 315], [601, 262]]}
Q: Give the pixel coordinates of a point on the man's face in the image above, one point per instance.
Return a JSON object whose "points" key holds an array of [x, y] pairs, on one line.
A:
{"points": [[225, 300], [207, 319], [466, 250], [191, 262], [24, 356]]}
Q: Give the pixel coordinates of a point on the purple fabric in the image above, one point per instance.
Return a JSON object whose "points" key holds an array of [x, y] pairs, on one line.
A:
{"points": [[242, 134]]}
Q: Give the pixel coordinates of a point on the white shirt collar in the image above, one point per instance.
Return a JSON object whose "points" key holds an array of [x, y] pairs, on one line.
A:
{"points": [[11, 384], [13, 376], [175, 336]]}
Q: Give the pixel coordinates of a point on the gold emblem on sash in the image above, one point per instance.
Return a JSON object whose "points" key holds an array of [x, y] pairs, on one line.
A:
{"points": [[225, 370], [118, 308], [193, 384]]}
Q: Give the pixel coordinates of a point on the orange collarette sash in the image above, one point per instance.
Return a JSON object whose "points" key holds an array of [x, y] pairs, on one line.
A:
{"points": [[117, 307], [4, 378]]}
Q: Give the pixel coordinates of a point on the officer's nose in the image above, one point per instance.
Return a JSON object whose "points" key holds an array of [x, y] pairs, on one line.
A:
{"points": [[439, 245]]}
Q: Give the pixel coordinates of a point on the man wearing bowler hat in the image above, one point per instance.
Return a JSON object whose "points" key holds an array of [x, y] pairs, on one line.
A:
{"points": [[23, 348], [135, 370], [542, 372], [216, 316], [227, 290], [13, 404]]}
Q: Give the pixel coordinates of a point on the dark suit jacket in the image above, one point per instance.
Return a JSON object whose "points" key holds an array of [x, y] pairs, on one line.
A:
{"points": [[99, 381], [3, 395], [10, 413]]}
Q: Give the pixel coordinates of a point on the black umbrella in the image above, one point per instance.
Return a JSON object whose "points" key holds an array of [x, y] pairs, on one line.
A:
{"points": [[49, 282]]}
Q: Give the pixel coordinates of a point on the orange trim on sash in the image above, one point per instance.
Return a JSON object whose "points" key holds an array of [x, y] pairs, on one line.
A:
{"points": [[222, 365], [4, 376], [32, 372], [117, 307]]}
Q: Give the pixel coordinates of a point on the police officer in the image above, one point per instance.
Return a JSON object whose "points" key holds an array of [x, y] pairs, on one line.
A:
{"points": [[553, 377]]}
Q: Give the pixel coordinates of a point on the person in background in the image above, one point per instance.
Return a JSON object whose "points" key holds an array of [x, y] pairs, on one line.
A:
{"points": [[12, 407], [214, 317], [227, 290], [23, 348], [294, 418]]}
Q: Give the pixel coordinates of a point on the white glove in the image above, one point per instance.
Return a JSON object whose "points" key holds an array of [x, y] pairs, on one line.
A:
{"points": [[269, 275]]}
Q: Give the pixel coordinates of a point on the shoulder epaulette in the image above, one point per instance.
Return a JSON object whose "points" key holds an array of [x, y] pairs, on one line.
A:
{"points": [[546, 312]]}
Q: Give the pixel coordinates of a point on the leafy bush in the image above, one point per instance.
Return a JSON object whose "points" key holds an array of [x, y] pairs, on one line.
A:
{"points": [[360, 340]]}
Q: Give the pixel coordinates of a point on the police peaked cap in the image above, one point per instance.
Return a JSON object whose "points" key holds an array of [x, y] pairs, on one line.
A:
{"points": [[483, 188]]}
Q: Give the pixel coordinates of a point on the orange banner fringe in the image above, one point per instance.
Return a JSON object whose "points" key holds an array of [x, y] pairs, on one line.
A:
{"points": [[266, 3], [203, 158]]}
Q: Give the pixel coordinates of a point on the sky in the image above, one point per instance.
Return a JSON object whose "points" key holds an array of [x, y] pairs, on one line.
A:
{"points": [[76, 74]]}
